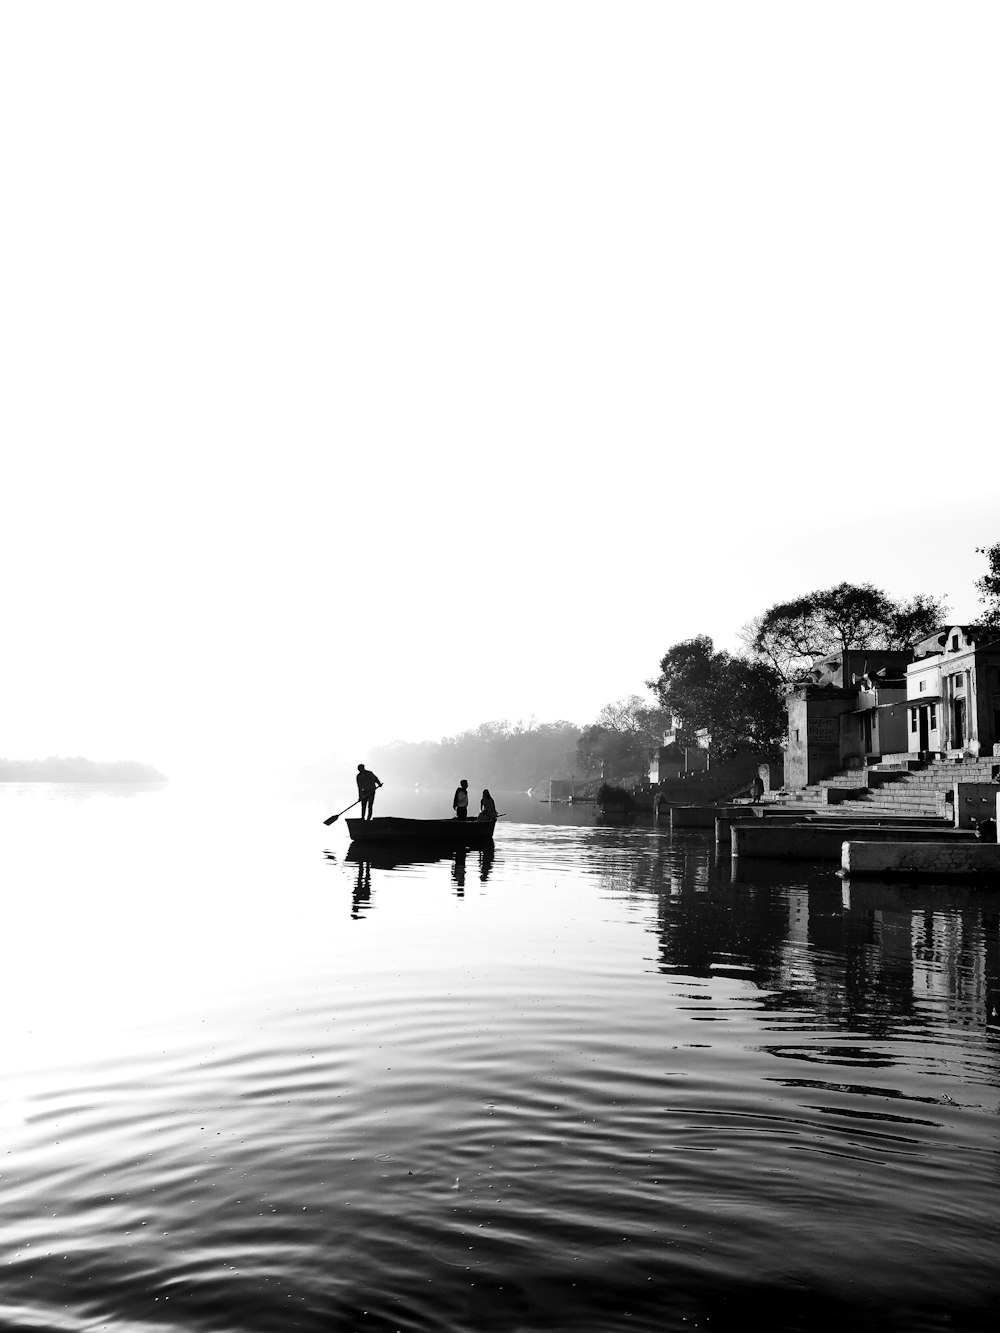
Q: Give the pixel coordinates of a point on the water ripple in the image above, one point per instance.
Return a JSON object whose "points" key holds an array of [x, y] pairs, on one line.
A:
{"points": [[605, 1088]]}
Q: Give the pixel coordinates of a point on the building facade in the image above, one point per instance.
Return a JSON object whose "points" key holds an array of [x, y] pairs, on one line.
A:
{"points": [[847, 711], [953, 693], [672, 759]]}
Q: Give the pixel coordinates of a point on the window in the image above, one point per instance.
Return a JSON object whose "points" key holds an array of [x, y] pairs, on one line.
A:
{"points": [[913, 719], [796, 735], [933, 716], [954, 643], [923, 686]]}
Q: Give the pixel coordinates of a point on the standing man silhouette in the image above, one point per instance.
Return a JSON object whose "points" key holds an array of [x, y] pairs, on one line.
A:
{"points": [[461, 802], [367, 782]]}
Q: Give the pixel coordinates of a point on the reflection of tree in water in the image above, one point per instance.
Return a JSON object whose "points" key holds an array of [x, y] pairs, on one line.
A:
{"points": [[786, 929], [700, 919], [705, 923]]}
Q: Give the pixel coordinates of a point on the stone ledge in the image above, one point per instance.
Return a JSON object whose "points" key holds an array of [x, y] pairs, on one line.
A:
{"points": [[935, 860]]}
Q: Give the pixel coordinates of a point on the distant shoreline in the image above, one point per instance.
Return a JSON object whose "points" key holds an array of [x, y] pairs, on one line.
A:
{"points": [[78, 769]]}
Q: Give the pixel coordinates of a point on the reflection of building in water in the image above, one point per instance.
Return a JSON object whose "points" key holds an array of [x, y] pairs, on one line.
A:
{"points": [[696, 865], [948, 958], [863, 964], [671, 867], [991, 958], [622, 875], [950, 965], [704, 922], [797, 960]]}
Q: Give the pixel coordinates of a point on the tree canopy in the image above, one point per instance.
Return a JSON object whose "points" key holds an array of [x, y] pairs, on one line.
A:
{"points": [[989, 586], [503, 755], [791, 636], [739, 700], [618, 743]]}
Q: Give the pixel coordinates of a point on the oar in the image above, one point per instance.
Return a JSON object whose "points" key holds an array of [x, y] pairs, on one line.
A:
{"points": [[333, 818]]}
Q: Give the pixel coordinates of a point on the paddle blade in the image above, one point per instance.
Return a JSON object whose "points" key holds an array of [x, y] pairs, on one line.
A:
{"points": [[332, 820]]}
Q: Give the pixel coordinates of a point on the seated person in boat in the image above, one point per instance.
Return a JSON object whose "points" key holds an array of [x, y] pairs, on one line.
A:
{"points": [[487, 806]]}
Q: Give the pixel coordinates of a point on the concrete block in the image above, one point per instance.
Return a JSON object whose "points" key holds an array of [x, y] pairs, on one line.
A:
{"points": [[825, 842], [724, 823], [941, 859], [699, 816], [974, 801]]}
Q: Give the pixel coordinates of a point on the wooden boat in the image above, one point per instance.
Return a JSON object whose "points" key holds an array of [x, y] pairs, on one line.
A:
{"points": [[444, 832]]}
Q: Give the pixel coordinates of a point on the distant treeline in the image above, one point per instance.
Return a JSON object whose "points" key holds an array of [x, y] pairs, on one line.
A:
{"points": [[77, 769], [503, 756]]}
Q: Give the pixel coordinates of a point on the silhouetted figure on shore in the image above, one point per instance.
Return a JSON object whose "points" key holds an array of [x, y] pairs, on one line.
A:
{"points": [[487, 806], [460, 804], [756, 788], [367, 783], [986, 830]]}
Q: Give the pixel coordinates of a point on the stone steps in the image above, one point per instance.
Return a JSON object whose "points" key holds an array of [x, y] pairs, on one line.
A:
{"points": [[911, 805], [900, 786]]}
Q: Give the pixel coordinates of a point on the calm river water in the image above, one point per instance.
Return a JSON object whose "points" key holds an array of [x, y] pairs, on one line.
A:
{"points": [[588, 1082]]}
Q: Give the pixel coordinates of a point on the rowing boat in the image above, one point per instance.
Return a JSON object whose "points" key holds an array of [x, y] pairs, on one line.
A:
{"points": [[445, 832]]}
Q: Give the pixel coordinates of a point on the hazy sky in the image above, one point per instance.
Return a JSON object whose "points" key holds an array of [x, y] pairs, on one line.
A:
{"points": [[371, 370]]}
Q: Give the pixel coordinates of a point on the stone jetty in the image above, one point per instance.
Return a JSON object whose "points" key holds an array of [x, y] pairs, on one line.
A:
{"points": [[932, 807]]}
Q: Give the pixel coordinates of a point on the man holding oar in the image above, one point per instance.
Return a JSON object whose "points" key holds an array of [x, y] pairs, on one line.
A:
{"points": [[367, 783]]}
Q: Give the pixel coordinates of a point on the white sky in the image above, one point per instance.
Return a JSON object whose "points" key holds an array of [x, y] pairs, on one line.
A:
{"points": [[372, 370]]}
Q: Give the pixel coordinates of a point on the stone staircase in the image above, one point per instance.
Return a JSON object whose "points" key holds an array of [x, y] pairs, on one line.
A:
{"points": [[899, 787]]}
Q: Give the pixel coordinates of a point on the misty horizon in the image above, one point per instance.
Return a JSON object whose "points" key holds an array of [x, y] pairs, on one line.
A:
{"points": [[336, 416]]}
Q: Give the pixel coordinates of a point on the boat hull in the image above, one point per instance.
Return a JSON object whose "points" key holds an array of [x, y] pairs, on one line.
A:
{"points": [[444, 832]]}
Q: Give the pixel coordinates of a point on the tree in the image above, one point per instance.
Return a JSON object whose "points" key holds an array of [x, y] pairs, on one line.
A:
{"points": [[687, 684], [506, 756], [915, 619], [989, 586], [791, 636], [739, 700], [618, 743]]}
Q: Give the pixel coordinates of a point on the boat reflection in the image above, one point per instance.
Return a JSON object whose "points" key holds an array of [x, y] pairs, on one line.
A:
{"points": [[391, 855], [368, 857]]}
